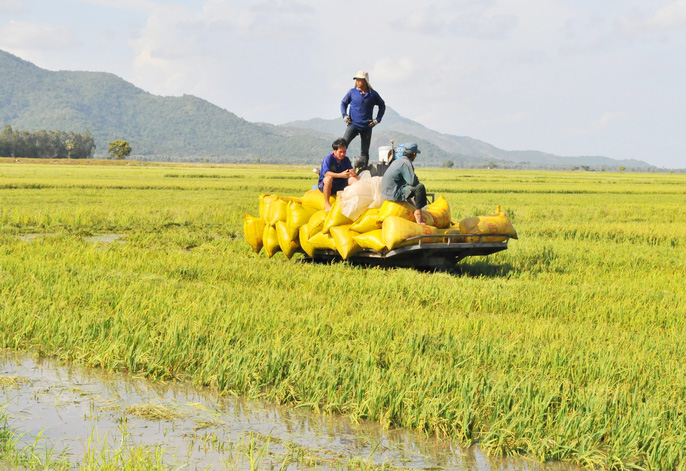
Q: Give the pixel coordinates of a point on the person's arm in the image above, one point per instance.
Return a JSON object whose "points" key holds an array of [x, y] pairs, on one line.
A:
{"points": [[408, 174], [352, 172], [346, 173], [344, 107], [382, 107]]}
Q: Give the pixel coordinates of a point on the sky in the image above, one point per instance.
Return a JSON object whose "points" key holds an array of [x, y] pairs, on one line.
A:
{"points": [[568, 77]]}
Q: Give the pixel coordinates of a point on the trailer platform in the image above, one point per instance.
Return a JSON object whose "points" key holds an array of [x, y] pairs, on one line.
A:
{"points": [[441, 251]]}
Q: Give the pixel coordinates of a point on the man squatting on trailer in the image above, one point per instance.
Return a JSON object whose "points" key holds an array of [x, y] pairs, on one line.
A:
{"points": [[400, 182], [336, 172]]}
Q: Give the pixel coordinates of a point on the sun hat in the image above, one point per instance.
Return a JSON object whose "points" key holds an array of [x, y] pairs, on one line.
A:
{"points": [[361, 74], [411, 148]]}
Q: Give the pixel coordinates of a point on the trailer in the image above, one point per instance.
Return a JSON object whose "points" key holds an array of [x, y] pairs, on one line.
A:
{"points": [[429, 252]]}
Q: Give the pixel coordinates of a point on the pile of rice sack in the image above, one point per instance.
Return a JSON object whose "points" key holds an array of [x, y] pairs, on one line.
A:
{"points": [[359, 219]]}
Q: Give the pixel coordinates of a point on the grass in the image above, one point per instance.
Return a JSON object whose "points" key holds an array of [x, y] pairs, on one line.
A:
{"points": [[567, 346]]}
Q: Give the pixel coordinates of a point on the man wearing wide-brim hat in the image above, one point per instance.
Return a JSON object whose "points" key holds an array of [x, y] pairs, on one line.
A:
{"points": [[357, 108], [400, 182]]}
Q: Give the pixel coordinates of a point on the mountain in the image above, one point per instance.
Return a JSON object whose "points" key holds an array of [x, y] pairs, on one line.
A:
{"points": [[191, 129], [158, 128], [467, 149]]}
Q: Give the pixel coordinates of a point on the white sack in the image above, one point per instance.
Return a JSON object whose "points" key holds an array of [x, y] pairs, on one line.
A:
{"points": [[363, 194]]}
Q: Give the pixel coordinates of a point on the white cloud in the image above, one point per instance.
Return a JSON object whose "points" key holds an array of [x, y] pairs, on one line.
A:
{"points": [[133, 5], [606, 120], [25, 35], [388, 70], [666, 18], [477, 20], [217, 51], [12, 6]]}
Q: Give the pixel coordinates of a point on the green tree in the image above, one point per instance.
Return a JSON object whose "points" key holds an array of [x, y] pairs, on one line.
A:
{"points": [[84, 145], [621, 168], [119, 149], [7, 141], [448, 164]]}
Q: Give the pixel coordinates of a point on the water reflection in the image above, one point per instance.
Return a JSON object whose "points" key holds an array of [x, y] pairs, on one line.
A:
{"points": [[71, 405]]}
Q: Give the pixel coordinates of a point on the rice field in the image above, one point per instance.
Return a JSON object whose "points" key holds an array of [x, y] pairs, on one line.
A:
{"points": [[568, 346]]}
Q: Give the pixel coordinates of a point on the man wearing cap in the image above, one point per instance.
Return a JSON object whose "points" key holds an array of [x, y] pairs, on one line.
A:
{"points": [[357, 108], [400, 182]]}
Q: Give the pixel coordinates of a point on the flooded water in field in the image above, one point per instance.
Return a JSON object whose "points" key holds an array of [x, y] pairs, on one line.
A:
{"points": [[106, 238], [71, 406], [95, 239], [32, 237]]}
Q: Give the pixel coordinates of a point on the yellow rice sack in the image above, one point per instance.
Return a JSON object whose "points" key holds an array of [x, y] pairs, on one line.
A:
{"points": [[428, 218], [366, 222], [440, 210], [371, 240], [343, 239], [270, 240], [452, 230], [297, 216], [266, 205], [397, 230], [316, 222], [335, 218], [278, 211], [288, 245], [295, 199], [497, 223], [394, 208], [253, 229], [304, 237], [322, 241], [315, 199]]}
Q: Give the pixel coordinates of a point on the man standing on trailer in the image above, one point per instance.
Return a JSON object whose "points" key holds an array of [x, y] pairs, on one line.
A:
{"points": [[337, 172], [361, 100], [400, 183]]}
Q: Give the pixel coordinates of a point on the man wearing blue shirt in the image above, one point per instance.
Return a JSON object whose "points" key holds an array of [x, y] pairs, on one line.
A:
{"points": [[357, 108], [337, 172], [400, 182]]}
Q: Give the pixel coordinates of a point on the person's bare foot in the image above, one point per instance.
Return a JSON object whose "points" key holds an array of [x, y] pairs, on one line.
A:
{"points": [[419, 217]]}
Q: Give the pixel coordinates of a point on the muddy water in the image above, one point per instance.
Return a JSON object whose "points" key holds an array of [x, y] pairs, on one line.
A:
{"points": [[72, 406]]}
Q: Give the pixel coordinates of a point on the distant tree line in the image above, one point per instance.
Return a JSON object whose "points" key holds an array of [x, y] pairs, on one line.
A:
{"points": [[46, 144]]}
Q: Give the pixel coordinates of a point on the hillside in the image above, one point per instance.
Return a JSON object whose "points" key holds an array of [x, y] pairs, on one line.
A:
{"points": [[468, 149], [188, 128], [165, 128]]}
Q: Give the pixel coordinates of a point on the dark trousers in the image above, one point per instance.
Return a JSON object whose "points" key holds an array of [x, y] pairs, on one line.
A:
{"points": [[418, 194], [351, 133]]}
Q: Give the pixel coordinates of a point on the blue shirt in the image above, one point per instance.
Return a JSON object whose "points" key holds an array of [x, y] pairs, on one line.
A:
{"points": [[399, 175], [331, 164], [362, 107]]}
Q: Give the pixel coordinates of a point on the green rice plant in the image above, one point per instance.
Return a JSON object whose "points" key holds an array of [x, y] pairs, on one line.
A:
{"points": [[11, 381], [16, 455], [567, 346]]}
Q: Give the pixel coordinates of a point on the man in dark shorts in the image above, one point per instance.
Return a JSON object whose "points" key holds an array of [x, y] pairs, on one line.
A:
{"points": [[337, 171]]}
